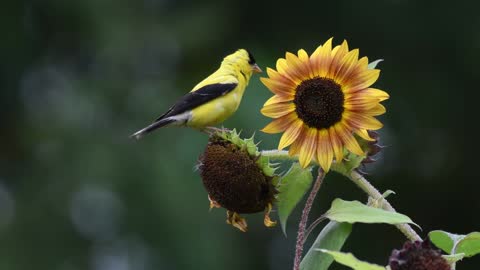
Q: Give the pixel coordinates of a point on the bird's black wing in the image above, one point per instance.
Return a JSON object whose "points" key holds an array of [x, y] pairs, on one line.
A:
{"points": [[196, 98]]}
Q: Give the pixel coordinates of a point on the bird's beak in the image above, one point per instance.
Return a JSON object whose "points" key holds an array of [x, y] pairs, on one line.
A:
{"points": [[256, 69]]}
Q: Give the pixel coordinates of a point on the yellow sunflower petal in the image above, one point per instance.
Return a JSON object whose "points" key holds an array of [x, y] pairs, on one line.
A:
{"points": [[309, 146], [297, 70], [290, 134], [327, 44], [295, 147], [337, 145], [324, 150], [272, 73], [338, 53], [358, 68], [359, 105], [280, 124], [303, 56], [369, 95], [379, 109], [363, 80], [321, 59], [278, 99], [380, 94], [364, 135], [339, 48], [348, 140], [278, 87], [360, 120], [277, 109], [282, 66], [277, 76], [347, 66], [362, 63]]}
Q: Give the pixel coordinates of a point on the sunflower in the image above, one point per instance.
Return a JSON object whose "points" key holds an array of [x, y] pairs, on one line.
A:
{"points": [[321, 101], [238, 178]]}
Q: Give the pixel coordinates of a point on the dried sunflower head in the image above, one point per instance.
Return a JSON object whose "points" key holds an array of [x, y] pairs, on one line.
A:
{"points": [[418, 255], [237, 177]]}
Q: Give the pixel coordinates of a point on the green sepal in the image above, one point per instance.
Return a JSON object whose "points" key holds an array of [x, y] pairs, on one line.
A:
{"points": [[374, 64]]}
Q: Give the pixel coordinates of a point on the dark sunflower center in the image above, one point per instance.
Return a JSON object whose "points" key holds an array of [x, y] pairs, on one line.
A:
{"points": [[233, 179], [319, 102]]}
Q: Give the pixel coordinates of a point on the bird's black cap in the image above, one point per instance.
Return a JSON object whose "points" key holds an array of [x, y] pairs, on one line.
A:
{"points": [[251, 60]]}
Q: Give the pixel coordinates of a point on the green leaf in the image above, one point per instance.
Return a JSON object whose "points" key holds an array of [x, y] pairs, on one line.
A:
{"points": [[444, 240], [332, 237], [470, 244], [355, 211], [374, 64], [349, 260], [455, 244], [348, 164], [454, 258], [293, 186]]}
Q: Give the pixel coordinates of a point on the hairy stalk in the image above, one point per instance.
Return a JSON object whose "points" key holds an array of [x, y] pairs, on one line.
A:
{"points": [[363, 183], [278, 155], [304, 219], [313, 226]]}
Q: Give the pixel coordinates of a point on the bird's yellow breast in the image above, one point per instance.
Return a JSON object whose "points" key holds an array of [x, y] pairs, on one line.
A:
{"points": [[217, 110]]}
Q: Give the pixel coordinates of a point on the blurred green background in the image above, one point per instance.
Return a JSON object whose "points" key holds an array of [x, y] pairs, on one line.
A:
{"points": [[78, 77]]}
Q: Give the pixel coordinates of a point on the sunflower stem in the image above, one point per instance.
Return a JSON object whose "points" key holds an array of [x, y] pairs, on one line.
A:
{"points": [[304, 220], [363, 184], [278, 155]]}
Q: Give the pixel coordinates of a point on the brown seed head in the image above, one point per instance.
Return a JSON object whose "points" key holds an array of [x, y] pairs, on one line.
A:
{"points": [[418, 256], [233, 179]]}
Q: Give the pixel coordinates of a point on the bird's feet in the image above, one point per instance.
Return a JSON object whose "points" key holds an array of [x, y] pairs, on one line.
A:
{"points": [[236, 221], [266, 220], [213, 130]]}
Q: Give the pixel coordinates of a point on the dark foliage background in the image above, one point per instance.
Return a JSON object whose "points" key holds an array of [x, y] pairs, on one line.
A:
{"points": [[77, 77]]}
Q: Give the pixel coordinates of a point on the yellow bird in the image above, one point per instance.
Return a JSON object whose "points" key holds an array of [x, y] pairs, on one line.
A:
{"points": [[214, 99]]}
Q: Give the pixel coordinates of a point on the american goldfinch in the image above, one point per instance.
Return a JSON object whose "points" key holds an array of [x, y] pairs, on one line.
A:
{"points": [[214, 99]]}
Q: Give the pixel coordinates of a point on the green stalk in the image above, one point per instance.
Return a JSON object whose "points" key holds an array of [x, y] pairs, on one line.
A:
{"points": [[363, 184]]}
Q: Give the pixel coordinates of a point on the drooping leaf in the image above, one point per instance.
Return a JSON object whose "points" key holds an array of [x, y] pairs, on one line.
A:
{"points": [[332, 237], [355, 211], [349, 260], [292, 188], [454, 258], [470, 244], [374, 64], [444, 240]]}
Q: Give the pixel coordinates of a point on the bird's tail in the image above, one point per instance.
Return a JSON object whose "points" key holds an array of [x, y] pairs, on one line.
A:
{"points": [[157, 124]]}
